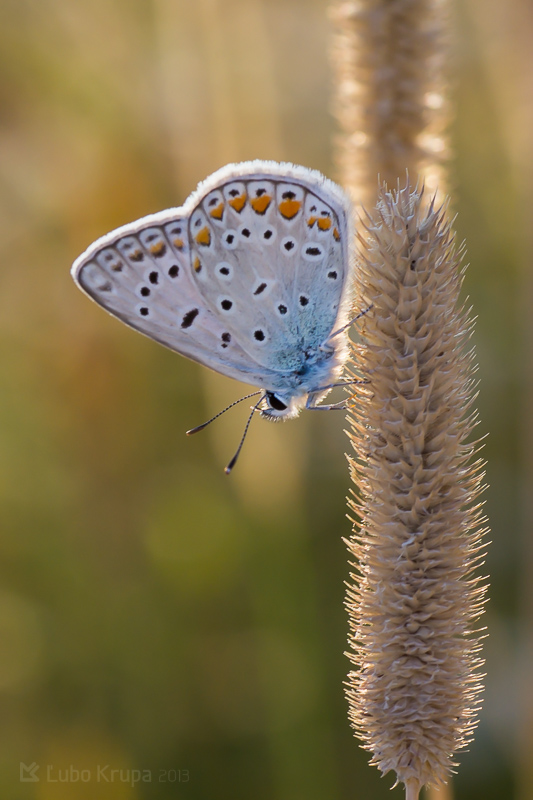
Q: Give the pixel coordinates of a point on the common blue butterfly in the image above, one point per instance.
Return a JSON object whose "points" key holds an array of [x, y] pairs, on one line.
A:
{"points": [[250, 277]]}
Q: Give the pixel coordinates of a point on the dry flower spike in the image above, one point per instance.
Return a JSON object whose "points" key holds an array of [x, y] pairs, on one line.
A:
{"points": [[390, 102], [415, 600]]}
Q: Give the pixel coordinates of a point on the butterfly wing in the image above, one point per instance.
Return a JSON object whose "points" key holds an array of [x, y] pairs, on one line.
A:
{"points": [[141, 273], [250, 272], [270, 253]]}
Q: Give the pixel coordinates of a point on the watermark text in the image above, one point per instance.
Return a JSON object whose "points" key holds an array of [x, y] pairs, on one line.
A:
{"points": [[100, 773]]}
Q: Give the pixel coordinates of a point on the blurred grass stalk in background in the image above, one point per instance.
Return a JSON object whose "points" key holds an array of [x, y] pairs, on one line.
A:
{"points": [[390, 101], [414, 697]]}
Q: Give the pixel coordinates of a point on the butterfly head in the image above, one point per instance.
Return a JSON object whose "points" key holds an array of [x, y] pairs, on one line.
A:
{"points": [[281, 406]]}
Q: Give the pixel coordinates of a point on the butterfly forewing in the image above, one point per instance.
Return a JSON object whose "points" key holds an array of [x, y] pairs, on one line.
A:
{"points": [[143, 277]]}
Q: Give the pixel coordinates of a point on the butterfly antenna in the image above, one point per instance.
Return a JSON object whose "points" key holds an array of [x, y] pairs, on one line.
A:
{"points": [[209, 421], [233, 461]]}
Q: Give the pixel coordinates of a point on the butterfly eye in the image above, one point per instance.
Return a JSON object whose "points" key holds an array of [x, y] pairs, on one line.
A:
{"points": [[274, 402]]}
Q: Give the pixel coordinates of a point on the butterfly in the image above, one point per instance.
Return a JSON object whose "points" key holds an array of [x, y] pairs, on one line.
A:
{"points": [[250, 277]]}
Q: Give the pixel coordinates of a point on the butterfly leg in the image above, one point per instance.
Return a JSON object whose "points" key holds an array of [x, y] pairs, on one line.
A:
{"points": [[349, 324], [312, 406], [333, 407], [341, 383]]}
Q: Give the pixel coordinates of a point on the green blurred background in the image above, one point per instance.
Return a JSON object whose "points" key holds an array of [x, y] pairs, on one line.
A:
{"points": [[154, 614]]}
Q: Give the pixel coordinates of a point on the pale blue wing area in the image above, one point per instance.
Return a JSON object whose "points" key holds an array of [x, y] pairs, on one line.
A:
{"points": [[270, 257]]}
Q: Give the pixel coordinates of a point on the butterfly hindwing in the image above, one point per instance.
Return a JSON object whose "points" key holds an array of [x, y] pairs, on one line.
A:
{"points": [[270, 257]]}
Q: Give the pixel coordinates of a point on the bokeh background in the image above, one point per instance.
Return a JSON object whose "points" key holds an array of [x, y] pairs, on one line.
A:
{"points": [[154, 614]]}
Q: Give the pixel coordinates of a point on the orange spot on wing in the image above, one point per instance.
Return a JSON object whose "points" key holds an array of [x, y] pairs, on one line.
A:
{"points": [[217, 212], [238, 202], [324, 223], [260, 204], [178, 243], [157, 249], [336, 235], [197, 264], [289, 208], [311, 221], [203, 237]]}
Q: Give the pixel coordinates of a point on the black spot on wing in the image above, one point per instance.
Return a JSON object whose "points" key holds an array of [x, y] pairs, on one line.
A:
{"points": [[189, 318]]}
